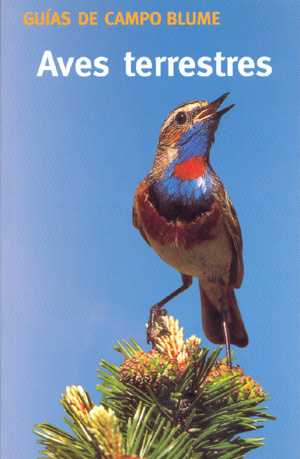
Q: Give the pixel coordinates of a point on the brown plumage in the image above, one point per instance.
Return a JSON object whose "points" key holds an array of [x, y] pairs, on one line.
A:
{"points": [[184, 213]]}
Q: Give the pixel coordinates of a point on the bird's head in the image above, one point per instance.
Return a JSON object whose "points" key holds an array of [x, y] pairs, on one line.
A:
{"points": [[190, 119], [188, 132]]}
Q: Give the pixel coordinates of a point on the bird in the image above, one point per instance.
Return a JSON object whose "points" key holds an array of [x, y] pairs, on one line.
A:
{"points": [[184, 213]]}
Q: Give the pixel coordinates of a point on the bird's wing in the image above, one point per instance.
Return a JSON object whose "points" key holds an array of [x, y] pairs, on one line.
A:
{"points": [[135, 216], [233, 227]]}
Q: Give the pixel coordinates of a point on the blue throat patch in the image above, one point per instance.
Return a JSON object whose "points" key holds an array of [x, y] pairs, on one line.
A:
{"points": [[188, 191], [180, 199]]}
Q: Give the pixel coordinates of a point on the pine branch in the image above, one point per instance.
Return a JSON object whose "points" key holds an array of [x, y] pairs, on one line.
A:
{"points": [[178, 402]]}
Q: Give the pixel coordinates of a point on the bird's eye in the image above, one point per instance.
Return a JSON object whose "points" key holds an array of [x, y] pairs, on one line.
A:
{"points": [[180, 118]]}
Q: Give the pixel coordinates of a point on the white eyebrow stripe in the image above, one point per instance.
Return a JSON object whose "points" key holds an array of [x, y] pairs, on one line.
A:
{"points": [[188, 107]]}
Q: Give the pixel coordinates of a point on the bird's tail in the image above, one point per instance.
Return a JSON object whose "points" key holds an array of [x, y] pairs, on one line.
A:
{"points": [[212, 320]]}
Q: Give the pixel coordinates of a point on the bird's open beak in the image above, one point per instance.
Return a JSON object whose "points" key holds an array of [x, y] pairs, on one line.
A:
{"points": [[210, 111]]}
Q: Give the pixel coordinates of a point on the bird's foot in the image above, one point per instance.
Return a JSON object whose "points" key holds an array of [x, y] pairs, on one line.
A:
{"points": [[156, 318]]}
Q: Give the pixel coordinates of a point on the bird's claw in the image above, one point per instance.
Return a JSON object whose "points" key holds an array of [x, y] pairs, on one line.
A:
{"points": [[156, 318]]}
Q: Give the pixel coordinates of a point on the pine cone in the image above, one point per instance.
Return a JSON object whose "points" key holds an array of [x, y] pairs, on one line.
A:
{"points": [[159, 371], [248, 388]]}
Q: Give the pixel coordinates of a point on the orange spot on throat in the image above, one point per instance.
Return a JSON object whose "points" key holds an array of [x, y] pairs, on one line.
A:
{"points": [[191, 168]]}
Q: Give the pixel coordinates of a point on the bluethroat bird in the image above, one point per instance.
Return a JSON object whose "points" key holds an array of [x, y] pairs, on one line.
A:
{"points": [[184, 213]]}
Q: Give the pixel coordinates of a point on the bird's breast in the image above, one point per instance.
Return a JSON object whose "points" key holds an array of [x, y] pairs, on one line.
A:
{"points": [[185, 192], [198, 248], [174, 230]]}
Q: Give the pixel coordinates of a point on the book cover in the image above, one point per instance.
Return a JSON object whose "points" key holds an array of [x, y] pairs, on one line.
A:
{"points": [[86, 87]]}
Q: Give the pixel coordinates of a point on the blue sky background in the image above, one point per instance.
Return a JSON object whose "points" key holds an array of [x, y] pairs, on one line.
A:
{"points": [[76, 275]]}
